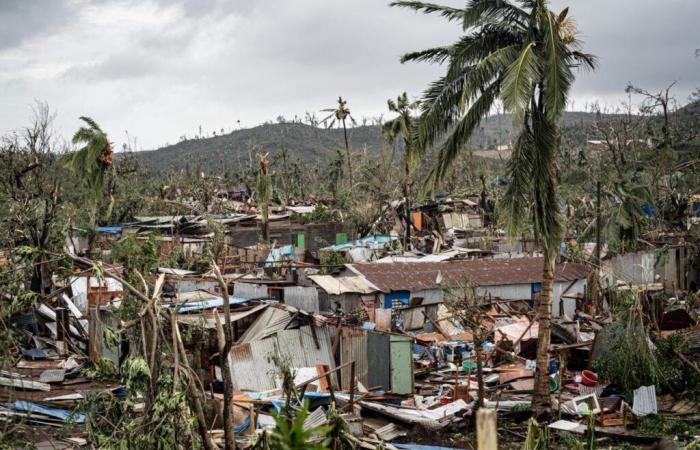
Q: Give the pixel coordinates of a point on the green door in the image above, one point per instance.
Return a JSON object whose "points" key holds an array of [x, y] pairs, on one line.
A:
{"points": [[401, 349]]}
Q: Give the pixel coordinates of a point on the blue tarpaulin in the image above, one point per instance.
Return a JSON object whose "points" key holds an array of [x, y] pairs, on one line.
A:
{"points": [[649, 210], [58, 413], [278, 254]]}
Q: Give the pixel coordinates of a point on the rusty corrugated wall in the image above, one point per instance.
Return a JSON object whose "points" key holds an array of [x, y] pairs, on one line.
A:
{"points": [[250, 368], [353, 347], [251, 365]]}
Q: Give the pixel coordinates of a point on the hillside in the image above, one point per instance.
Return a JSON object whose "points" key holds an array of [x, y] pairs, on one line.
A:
{"points": [[302, 141]]}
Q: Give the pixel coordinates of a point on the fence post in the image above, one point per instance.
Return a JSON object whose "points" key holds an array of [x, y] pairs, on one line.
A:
{"points": [[486, 435]]}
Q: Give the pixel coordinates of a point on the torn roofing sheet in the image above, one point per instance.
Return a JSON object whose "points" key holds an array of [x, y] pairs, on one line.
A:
{"points": [[342, 285], [208, 321], [58, 413]]}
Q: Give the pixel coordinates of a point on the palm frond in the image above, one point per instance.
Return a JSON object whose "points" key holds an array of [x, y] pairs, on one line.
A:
{"points": [[587, 61], [479, 12], [91, 123], [448, 12], [431, 55], [516, 200], [459, 136], [546, 215], [519, 80], [557, 73]]}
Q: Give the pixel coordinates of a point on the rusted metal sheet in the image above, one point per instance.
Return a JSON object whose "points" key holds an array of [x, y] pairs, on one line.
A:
{"points": [[253, 369], [482, 272], [353, 347], [303, 350], [250, 366], [304, 298]]}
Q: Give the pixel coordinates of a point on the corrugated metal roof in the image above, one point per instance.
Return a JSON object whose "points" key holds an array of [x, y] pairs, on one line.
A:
{"points": [[208, 321], [269, 322], [342, 285], [482, 272], [253, 370]]}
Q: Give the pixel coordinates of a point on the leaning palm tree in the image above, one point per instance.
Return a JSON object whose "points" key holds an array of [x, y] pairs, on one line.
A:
{"points": [[523, 54], [340, 115], [91, 163], [403, 127]]}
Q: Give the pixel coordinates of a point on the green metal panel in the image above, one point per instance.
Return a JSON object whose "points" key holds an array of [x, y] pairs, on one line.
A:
{"points": [[378, 361], [299, 240], [401, 349], [341, 238]]}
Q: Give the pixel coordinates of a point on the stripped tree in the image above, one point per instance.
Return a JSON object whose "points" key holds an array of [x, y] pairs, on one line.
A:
{"points": [[403, 127]]}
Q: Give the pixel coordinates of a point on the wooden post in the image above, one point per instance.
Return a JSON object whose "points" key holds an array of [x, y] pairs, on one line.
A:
{"points": [[95, 335], [486, 434], [62, 330], [352, 388]]}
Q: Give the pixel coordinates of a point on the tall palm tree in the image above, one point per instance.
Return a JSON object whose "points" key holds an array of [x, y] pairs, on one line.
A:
{"points": [[403, 126], [523, 54], [340, 115], [263, 193]]}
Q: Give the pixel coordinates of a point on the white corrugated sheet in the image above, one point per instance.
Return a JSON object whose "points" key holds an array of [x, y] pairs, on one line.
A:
{"points": [[645, 401], [343, 285], [303, 298], [249, 290]]}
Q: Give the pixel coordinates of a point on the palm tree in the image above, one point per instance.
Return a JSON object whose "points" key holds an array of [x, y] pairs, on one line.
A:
{"points": [[403, 126], [339, 115], [523, 54], [91, 163], [263, 192]]}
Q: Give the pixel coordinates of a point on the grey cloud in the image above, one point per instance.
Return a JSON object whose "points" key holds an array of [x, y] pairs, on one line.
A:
{"points": [[24, 19], [115, 67], [212, 62]]}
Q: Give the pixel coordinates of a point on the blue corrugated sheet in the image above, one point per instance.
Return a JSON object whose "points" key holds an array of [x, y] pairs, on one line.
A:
{"points": [[61, 414], [208, 304], [109, 230], [375, 242]]}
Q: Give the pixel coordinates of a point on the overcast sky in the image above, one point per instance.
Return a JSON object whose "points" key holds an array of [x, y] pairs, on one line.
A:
{"points": [[159, 69]]}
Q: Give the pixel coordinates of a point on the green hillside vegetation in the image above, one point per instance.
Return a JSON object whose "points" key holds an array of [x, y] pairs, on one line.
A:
{"points": [[312, 145]]}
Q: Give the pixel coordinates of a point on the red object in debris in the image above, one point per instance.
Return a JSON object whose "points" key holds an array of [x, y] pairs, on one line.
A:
{"points": [[589, 378]]}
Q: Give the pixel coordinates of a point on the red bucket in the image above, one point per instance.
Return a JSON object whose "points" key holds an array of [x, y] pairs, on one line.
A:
{"points": [[589, 378]]}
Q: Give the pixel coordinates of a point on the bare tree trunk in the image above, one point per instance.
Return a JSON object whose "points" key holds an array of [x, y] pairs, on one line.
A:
{"points": [[479, 364], [195, 393], [407, 204], [265, 222], [225, 339], [541, 402], [347, 152]]}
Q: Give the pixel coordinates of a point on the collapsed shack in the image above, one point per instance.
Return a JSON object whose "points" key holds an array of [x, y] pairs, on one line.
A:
{"points": [[377, 343]]}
